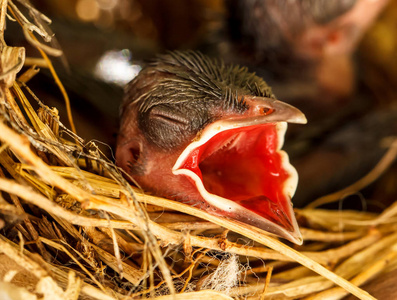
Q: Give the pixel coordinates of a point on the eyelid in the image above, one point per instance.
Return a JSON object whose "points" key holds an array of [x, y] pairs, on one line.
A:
{"points": [[168, 115]]}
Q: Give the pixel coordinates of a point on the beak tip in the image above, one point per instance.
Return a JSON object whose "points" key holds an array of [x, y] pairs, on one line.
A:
{"points": [[296, 238], [301, 119], [289, 113], [297, 116], [292, 233]]}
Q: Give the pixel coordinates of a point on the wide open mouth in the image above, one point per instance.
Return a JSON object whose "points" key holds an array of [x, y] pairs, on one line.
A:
{"points": [[241, 171]]}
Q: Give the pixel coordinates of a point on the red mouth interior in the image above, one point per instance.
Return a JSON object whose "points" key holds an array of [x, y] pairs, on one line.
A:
{"points": [[243, 165]]}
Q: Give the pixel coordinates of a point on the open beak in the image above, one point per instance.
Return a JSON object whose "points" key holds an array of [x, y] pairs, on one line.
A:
{"points": [[239, 169]]}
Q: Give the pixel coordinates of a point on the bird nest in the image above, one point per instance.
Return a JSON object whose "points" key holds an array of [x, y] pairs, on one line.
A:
{"points": [[72, 226]]}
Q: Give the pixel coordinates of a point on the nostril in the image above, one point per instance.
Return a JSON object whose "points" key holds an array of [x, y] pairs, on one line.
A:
{"points": [[266, 111]]}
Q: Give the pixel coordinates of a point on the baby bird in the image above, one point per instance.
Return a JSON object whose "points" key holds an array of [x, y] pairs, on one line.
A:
{"points": [[209, 135]]}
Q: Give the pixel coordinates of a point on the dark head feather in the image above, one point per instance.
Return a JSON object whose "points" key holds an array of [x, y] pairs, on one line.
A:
{"points": [[191, 77], [180, 92]]}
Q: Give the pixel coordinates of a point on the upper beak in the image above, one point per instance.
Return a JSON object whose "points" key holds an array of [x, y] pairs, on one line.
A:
{"points": [[271, 110]]}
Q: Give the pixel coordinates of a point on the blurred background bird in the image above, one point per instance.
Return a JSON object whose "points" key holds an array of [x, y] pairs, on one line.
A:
{"points": [[304, 49]]}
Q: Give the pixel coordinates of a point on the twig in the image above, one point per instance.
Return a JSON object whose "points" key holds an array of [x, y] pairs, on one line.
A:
{"points": [[267, 281], [116, 248], [368, 273], [77, 262], [3, 14], [35, 61], [40, 47], [31, 196], [21, 259], [208, 295], [374, 174]]}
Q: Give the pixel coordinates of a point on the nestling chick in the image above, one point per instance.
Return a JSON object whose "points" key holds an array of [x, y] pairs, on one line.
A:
{"points": [[209, 135], [304, 46]]}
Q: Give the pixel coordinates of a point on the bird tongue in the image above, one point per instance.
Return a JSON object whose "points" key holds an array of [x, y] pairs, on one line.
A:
{"points": [[243, 169]]}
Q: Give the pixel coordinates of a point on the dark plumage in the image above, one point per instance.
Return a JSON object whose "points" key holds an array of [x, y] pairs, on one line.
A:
{"points": [[193, 77]]}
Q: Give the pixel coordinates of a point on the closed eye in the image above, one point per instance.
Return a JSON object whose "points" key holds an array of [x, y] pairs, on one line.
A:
{"points": [[169, 116]]}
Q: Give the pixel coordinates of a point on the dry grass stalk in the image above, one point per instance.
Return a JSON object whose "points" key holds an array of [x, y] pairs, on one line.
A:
{"points": [[375, 173], [93, 236]]}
